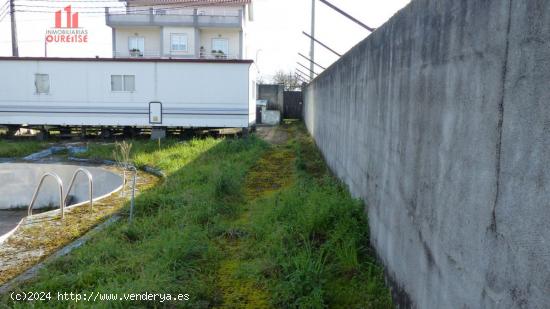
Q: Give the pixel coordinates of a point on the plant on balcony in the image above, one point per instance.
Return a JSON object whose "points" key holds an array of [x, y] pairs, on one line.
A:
{"points": [[219, 54], [202, 53], [135, 52]]}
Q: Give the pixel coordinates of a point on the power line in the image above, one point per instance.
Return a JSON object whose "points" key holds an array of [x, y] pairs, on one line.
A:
{"points": [[51, 12], [183, 5], [60, 7], [44, 9], [72, 1]]}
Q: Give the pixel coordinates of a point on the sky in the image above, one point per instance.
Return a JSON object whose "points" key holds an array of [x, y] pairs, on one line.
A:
{"points": [[275, 37]]}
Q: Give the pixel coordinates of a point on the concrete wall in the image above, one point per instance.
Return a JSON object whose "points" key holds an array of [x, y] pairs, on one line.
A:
{"points": [[440, 121], [274, 94]]}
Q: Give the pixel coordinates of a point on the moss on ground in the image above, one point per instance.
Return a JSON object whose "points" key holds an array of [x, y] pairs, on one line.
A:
{"points": [[43, 234], [237, 223]]}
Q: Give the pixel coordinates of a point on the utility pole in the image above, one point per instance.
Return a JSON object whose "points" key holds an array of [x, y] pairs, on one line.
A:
{"points": [[14, 48], [312, 47]]}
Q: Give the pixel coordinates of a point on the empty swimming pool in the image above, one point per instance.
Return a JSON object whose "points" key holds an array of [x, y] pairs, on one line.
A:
{"points": [[18, 182]]}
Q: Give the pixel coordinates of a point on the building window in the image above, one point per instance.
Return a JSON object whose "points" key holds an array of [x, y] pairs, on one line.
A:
{"points": [[178, 42], [42, 83], [136, 45], [123, 83], [220, 46]]}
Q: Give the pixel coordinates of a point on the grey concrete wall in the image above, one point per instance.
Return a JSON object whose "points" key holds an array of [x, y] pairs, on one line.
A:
{"points": [[274, 96], [440, 121]]}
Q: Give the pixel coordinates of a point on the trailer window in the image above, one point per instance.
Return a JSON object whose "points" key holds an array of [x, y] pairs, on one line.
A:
{"points": [[123, 83], [129, 83], [42, 83]]}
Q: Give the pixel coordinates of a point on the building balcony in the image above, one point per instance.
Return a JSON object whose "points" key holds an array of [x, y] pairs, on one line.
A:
{"points": [[164, 17], [157, 55]]}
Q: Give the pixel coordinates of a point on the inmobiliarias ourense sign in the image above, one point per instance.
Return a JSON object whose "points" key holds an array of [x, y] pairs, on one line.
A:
{"points": [[68, 33]]}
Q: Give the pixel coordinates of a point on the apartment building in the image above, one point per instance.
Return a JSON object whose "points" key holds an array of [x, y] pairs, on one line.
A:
{"points": [[195, 29]]}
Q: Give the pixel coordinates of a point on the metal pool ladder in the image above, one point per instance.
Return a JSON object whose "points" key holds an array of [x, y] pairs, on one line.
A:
{"points": [[90, 185], [63, 199]]}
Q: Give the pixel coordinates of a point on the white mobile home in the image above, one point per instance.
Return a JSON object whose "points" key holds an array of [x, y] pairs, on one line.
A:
{"points": [[144, 92]]}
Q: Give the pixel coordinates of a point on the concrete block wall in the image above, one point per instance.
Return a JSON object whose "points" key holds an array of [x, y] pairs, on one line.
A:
{"points": [[440, 122], [274, 94]]}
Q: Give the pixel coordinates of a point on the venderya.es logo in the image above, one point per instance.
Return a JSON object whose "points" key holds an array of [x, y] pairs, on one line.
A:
{"points": [[70, 33]]}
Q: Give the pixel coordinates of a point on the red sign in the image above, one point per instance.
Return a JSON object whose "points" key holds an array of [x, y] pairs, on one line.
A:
{"points": [[71, 33], [72, 20]]}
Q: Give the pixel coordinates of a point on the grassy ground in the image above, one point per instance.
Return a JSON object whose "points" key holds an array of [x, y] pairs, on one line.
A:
{"points": [[10, 148], [236, 224]]}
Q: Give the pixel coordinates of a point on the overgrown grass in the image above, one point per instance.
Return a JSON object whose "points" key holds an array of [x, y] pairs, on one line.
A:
{"points": [[19, 148], [216, 231]]}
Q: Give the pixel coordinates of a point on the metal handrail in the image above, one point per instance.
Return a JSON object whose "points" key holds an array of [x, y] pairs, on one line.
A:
{"points": [[90, 185], [61, 200]]}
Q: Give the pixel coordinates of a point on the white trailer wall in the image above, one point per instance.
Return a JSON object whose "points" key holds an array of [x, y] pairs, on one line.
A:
{"points": [[193, 93]]}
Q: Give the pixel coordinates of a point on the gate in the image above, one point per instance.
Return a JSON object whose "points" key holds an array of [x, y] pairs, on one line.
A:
{"points": [[293, 105]]}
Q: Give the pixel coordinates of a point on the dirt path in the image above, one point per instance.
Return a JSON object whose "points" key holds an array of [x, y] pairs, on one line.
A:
{"points": [[273, 172], [276, 135]]}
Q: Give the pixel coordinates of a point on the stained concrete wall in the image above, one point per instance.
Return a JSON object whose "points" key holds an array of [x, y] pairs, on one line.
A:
{"points": [[274, 94], [440, 121]]}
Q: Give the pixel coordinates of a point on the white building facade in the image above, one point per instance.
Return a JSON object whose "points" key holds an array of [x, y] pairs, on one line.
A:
{"points": [[174, 65], [204, 29], [126, 92]]}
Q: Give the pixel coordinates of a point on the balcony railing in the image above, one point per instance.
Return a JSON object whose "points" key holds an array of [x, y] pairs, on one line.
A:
{"points": [[157, 55], [170, 17]]}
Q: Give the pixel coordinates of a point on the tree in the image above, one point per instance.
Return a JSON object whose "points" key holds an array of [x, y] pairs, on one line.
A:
{"points": [[288, 79]]}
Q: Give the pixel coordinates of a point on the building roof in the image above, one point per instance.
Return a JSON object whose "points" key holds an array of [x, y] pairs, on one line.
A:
{"points": [[172, 60], [190, 3]]}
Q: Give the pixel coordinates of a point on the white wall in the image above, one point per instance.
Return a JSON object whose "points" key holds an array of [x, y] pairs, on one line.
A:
{"points": [[231, 34], [151, 35], [193, 94], [189, 31]]}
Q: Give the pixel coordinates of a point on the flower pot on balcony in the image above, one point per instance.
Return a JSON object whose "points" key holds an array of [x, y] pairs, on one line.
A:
{"points": [[135, 53]]}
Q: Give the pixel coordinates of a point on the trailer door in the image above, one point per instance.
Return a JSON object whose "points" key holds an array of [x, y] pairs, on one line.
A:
{"points": [[155, 112]]}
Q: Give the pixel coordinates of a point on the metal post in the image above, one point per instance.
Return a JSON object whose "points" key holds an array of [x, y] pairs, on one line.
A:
{"points": [[312, 46], [311, 72], [303, 79], [132, 201], [14, 46], [298, 70], [322, 67], [355, 20], [322, 44]]}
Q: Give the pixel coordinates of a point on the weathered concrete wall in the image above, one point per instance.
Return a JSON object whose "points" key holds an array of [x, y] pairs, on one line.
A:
{"points": [[273, 94], [440, 121]]}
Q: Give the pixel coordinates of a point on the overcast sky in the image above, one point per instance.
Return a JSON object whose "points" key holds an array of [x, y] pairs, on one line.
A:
{"points": [[275, 36]]}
